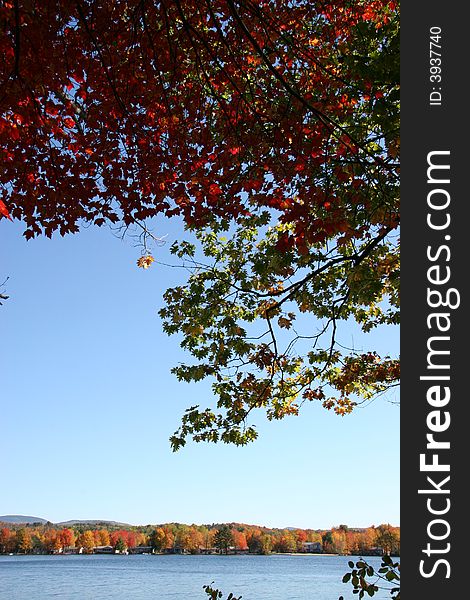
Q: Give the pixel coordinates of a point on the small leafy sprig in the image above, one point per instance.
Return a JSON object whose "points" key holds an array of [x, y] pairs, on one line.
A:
{"points": [[215, 594], [389, 574]]}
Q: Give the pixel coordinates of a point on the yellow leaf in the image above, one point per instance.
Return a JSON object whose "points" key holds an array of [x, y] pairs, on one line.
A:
{"points": [[144, 262]]}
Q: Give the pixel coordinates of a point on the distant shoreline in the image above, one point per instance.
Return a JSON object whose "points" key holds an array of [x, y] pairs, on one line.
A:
{"points": [[10, 554], [169, 554]]}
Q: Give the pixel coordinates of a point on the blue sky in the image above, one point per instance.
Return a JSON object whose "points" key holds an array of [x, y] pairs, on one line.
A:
{"points": [[88, 404]]}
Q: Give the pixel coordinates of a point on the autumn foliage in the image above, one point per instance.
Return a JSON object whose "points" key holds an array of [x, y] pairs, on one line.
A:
{"points": [[126, 109], [273, 123], [193, 539]]}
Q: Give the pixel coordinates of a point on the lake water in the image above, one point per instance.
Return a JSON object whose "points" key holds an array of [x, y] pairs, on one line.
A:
{"points": [[145, 577]]}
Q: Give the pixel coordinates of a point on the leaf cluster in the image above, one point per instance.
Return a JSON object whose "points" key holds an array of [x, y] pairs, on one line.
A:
{"points": [[361, 573], [214, 593], [262, 324]]}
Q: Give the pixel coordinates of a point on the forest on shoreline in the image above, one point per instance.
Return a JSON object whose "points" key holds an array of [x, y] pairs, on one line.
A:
{"points": [[176, 538]]}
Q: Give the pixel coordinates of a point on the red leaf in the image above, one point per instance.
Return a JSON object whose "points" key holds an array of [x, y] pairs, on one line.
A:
{"points": [[4, 210]]}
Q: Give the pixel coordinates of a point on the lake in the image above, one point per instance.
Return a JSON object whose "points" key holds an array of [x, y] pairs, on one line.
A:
{"points": [[146, 577]]}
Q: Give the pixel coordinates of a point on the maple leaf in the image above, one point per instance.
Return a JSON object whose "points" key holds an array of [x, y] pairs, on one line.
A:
{"points": [[145, 262], [4, 210], [285, 323]]}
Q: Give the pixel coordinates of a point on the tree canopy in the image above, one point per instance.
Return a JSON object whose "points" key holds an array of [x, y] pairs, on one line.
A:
{"points": [[271, 127]]}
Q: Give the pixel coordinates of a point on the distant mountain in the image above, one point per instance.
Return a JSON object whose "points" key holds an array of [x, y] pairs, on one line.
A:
{"points": [[20, 519], [92, 522]]}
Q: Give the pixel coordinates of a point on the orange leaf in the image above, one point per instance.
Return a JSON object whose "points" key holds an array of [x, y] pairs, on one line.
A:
{"points": [[4, 210]]}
